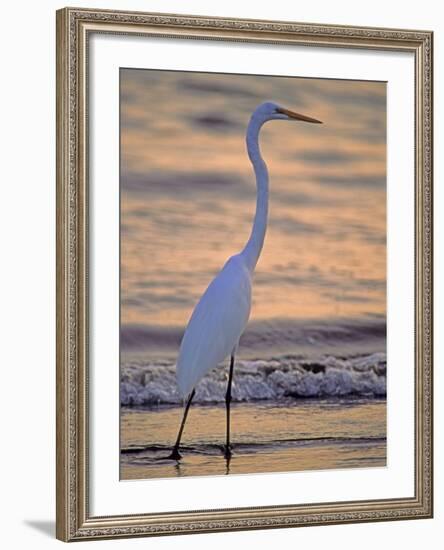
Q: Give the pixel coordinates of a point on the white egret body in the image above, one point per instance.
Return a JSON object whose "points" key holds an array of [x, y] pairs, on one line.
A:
{"points": [[226, 303], [222, 313]]}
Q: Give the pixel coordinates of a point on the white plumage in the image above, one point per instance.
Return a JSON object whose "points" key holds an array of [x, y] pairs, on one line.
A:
{"points": [[216, 324]]}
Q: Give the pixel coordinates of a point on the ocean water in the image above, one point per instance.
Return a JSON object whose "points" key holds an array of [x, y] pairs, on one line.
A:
{"points": [[316, 371], [309, 387], [322, 407]]}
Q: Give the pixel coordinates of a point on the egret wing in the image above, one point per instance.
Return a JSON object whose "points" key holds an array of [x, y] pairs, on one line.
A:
{"points": [[216, 324]]}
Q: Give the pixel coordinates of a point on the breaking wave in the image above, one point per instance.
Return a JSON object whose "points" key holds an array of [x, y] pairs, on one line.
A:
{"points": [[286, 377]]}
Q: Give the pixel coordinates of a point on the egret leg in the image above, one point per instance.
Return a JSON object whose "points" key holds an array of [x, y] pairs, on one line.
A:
{"points": [[227, 405], [175, 455]]}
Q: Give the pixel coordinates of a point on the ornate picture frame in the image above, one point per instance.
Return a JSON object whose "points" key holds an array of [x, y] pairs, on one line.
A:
{"points": [[75, 27]]}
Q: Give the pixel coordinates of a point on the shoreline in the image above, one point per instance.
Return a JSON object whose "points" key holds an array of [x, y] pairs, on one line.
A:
{"points": [[266, 437]]}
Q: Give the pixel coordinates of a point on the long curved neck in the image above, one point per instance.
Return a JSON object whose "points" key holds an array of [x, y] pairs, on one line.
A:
{"points": [[253, 248]]}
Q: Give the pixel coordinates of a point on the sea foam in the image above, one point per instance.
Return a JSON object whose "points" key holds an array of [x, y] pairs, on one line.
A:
{"points": [[147, 384]]}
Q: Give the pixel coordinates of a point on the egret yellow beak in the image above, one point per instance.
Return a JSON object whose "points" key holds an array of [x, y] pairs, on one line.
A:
{"points": [[297, 116]]}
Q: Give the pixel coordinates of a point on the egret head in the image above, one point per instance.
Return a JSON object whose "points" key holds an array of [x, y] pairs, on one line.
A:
{"points": [[272, 111]]}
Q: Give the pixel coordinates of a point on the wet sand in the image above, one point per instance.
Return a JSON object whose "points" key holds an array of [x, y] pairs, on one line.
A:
{"points": [[266, 437]]}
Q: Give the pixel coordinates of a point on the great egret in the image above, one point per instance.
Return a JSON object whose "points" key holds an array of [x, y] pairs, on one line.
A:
{"points": [[222, 313]]}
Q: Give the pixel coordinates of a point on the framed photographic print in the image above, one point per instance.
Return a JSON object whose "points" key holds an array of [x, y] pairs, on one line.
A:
{"points": [[244, 274]]}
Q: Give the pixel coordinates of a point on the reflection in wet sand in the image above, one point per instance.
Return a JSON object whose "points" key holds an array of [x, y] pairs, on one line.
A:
{"points": [[267, 438]]}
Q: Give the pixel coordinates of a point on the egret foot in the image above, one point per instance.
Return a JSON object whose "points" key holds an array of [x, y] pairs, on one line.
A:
{"points": [[175, 455], [227, 452]]}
